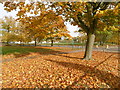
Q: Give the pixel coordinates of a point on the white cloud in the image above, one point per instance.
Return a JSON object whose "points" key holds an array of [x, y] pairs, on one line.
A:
{"points": [[5, 13]]}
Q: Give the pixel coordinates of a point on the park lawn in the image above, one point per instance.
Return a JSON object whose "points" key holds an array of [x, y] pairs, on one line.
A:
{"points": [[21, 50], [18, 51], [62, 71]]}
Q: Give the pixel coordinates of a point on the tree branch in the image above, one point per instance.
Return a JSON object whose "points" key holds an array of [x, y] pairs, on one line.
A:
{"points": [[104, 5], [78, 19], [82, 24]]}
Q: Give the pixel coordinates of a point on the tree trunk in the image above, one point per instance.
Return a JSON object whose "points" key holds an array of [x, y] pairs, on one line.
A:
{"points": [[7, 42], [51, 42], [23, 43], [89, 46], [35, 42], [20, 43], [100, 42]]}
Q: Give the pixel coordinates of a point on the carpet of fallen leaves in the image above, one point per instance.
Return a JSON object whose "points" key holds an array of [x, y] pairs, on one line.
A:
{"points": [[62, 71]]}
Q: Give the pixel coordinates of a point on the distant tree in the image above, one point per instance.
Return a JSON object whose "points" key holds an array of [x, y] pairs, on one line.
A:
{"points": [[103, 36], [22, 35], [115, 38], [82, 39], [9, 26]]}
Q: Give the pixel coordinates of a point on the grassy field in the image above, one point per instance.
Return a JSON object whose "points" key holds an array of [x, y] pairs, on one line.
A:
{"points": [[26, 50], [21, 50]]}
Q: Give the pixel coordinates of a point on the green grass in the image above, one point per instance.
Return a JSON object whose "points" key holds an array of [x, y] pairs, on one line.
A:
{"points": [[21, 50]]}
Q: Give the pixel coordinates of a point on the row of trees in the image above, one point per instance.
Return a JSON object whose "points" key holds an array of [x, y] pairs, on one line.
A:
{"points": [[90, 17], [47, 26], [103, 37]]}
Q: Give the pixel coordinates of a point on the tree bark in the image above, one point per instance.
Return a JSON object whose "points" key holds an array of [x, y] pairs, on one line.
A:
{"points": [[51, 42], [89, 46]]}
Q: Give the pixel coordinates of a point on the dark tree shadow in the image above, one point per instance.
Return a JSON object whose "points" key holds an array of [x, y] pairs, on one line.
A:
{"points": [[104, 76], [68, 56]]}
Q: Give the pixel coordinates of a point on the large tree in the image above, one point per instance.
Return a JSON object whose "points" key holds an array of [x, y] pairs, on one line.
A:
{"points": [[87, 16], [55, 27]]}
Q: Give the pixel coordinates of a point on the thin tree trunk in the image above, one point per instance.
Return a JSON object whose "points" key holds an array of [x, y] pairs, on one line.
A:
{"points": [[89, 46], [23, 43], [51, 42], [100, 42], [28, 43], [8, 32], [20, 43], [35, 42], [7, 42]]}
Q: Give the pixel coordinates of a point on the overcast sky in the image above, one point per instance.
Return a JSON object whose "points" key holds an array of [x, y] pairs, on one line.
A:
{"points": [[13, 14]]}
